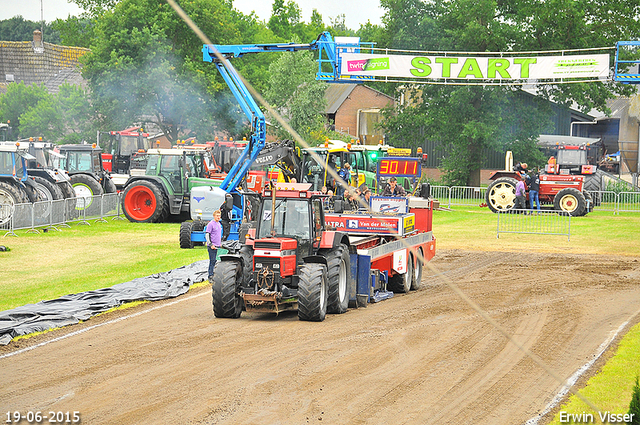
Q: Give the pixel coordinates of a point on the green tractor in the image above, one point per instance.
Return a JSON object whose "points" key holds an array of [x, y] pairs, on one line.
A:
{"points": [[164, 191]]}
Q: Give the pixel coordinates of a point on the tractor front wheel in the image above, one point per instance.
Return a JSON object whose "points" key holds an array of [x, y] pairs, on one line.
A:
{"points": [[144, 202], [227, 302], [571, 201], [501, 194]]}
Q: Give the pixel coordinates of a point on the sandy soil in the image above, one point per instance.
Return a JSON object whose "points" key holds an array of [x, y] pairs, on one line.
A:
{"points": [[420, 358]]}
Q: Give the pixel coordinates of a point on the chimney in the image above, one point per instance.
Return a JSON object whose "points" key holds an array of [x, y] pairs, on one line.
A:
{"points": [[38, 46]]}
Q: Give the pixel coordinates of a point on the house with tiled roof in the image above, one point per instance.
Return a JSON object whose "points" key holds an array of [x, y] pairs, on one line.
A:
{"points": [[40, 63], [354, 110]]}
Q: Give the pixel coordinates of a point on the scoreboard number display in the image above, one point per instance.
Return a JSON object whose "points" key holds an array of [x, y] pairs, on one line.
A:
{"points": [[399, 167]]}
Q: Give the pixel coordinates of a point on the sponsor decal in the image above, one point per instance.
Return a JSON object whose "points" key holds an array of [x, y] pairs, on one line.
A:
{"points": [[372, 64]]}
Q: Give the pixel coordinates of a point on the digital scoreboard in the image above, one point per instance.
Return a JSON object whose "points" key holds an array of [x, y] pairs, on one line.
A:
{"points": [[399, 167]]}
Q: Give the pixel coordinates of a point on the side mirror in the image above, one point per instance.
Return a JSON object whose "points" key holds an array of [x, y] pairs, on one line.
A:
{"points": [[228, 202]]}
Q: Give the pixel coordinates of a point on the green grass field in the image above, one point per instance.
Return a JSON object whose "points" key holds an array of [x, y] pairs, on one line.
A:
{"points": [[81, 258]]}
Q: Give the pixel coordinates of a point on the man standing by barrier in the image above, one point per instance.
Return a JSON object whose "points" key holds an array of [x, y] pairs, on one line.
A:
{"points": [[534, 189], [213, 235]]}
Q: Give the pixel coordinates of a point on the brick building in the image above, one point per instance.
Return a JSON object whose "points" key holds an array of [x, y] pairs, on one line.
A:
{"points": [[40, 63], [354, 109]]}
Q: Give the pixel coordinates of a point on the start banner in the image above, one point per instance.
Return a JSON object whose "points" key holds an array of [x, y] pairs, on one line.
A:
{"points": [[476, 68]]}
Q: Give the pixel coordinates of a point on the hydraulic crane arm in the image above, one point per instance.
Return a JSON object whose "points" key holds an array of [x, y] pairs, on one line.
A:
{"points": [[328, 54]]}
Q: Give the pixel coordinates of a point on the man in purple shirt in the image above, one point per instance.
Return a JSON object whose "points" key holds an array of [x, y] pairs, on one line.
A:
{"points": [[213, 235], [520, 196]]}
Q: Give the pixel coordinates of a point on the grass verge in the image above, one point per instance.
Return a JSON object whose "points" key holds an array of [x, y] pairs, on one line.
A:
{"points": [[611, 389]]}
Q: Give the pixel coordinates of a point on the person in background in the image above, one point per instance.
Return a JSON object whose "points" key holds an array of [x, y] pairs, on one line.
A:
{"points": [[534, 190], [520, 196], [225, 220], [323, 190], [521, 167], [392, 188], [367, 198], [213, 236], [345, 175]]}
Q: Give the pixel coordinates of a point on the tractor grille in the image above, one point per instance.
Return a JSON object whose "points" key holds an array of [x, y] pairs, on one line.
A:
{"points": [[266, 245], [267, 262]]}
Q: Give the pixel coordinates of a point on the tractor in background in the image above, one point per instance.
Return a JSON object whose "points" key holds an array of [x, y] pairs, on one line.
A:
{"points": [[561, 192], [125, 153], [87, 175]]}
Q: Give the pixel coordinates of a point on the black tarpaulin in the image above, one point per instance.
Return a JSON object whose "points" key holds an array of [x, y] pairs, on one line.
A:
{"points": [[71, 309]]}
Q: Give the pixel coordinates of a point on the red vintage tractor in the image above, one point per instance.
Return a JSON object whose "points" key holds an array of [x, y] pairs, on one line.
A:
{"points": [[559, 189]]}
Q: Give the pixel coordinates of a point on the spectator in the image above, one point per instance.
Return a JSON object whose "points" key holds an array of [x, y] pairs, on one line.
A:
{"points": [[367, 198], [345, 175], [213, 236], [534, 190], [520, 167], [520, 196], [323, 190], [225, 219], [392, 188]]}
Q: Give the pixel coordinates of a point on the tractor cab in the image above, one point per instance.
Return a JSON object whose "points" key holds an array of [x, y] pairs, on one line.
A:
{"points": [[571, 160]]}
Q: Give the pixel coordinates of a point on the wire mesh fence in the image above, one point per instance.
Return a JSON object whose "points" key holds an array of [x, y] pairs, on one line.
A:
{"points": [[529, 222]]}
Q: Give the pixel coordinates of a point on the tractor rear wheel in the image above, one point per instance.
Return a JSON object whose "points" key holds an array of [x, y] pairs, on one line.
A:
{"points": [[571, 201], [417, 272], [312, 292], [144, 202], [401, 283], [10, 195], [109, 186], [85, 187], [338, 278], [501, 194], [227, 302], [51, 191], [185, 235]]}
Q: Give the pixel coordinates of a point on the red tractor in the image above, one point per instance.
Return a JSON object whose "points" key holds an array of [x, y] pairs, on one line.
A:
{"points": [[559, 188], [289, 261]]}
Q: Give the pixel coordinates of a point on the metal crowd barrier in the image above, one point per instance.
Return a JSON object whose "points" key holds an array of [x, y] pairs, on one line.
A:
{"points": [[475, 196], [628, 202], [533, 222], [51, 215], [467, 196]]}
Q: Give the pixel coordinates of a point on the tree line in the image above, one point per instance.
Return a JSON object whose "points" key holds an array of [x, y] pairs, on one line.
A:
{"points": [[145, 66]]}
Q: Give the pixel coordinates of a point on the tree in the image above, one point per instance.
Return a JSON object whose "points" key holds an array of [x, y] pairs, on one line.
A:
{"points": [[18, 99], [75, 31], [296, 95], [146, 67], [19, 29]]}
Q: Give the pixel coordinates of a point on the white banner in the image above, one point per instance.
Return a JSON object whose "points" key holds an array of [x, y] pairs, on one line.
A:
{"points": [[476, 68]]}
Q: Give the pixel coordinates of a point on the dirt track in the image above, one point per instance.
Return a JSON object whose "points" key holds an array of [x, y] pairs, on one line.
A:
{"points": [[421, 358]]}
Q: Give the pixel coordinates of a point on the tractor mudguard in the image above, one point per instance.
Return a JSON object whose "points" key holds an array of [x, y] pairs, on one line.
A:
{"points": [[232, 257], [315, 259], [332, 239]]}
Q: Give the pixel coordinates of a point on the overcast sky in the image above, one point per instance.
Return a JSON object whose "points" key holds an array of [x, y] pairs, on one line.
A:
{"points": [[356, 11]]}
